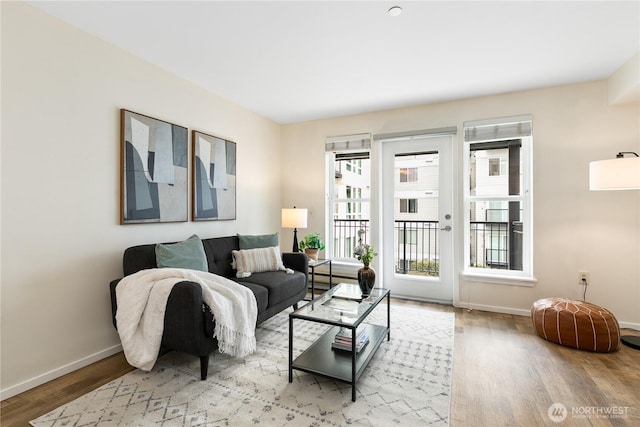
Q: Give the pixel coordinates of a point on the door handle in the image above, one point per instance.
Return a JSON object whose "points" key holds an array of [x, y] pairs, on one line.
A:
{"points": [[447, 228]]}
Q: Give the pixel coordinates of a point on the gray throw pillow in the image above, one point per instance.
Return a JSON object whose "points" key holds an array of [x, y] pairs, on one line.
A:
{"points": [[258, 241], [186, 254]]}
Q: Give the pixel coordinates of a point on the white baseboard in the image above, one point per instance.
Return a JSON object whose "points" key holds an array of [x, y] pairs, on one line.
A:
{"points": [[527, 313], [58, 372], [495, 309], [429, 300], [629, 325]]}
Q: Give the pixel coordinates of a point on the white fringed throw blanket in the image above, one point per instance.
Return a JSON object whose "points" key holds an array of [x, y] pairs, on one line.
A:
{"points": [[142, 301]]}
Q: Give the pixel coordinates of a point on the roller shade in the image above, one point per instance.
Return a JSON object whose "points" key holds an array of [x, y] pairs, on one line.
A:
{"points": [[498, 129], [416, 134], [359, 142]]}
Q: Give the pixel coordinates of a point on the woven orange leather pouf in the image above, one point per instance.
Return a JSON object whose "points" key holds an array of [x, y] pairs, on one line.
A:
{"points": [[576, 324]]}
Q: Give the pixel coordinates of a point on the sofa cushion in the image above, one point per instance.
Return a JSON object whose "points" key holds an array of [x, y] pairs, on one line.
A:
{"points": [[218, 250], [138, 258], [279, 284], [261, 293], [186, 254], [248, 261], [258, 241]]}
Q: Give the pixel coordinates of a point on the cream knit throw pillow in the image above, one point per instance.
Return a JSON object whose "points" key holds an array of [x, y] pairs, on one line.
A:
{"points": [[247, 261]]}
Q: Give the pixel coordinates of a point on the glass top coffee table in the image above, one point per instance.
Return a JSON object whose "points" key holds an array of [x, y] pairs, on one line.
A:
{"points": [[344, 308]]}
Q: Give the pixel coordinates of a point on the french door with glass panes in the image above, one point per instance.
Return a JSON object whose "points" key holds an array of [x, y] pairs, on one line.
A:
{"points": [[417, 209]]}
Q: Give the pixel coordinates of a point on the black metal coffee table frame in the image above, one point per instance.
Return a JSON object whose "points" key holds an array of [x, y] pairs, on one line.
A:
{"points": [[319, 358]]}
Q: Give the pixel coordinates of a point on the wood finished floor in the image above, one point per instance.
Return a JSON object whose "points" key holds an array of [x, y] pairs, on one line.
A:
{"points": [[503, 375]]}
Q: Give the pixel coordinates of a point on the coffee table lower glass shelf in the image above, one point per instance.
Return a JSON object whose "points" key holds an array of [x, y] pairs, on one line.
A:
{"points": [[319, 358]]}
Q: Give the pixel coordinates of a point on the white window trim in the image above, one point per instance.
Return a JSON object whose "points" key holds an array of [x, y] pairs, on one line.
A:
{"points": [[498, 279], [507, 277]]}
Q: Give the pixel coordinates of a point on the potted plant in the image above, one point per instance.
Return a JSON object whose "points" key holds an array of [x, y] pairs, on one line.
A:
{"points": [[364, 253], [312, 244], [366, 275]]}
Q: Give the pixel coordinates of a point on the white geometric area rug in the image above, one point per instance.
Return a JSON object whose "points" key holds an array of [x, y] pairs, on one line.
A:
{"points": [[407, 383]]}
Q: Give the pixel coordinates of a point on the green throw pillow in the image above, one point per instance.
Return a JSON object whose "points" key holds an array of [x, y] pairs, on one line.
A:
{"points": [[186, 254], [258, 241]]}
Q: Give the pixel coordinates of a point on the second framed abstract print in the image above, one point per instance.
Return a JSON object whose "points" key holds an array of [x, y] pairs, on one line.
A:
{"points": [[214, 178]]}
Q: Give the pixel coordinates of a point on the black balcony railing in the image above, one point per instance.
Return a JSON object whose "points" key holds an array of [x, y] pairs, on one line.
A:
{"points": [[345, 236], [489, 243], [417, 248]]}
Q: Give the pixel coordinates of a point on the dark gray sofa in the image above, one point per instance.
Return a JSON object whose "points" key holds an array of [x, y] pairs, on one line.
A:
{"points": [[188, 321]]}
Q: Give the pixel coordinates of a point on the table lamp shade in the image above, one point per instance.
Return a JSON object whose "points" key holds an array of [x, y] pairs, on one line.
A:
{"points": [[294, 218], [615, 174]]}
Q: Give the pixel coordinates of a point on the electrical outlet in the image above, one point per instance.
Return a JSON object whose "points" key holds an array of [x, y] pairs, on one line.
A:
{"points": [[583, 277]]}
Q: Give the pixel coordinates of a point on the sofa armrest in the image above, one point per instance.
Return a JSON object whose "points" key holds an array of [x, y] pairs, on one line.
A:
{"points": [[296, 261], [188, 322], [186, 317]]}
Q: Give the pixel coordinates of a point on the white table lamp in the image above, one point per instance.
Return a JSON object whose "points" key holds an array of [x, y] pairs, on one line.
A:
{"points": [[294, 218]]}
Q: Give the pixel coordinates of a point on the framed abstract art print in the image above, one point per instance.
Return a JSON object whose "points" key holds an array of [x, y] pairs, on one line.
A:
{"points": [[154, 170], [214, 178]]}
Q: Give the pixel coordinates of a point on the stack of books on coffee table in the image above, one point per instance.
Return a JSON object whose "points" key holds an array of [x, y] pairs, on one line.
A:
{"points": [[342, 340]]}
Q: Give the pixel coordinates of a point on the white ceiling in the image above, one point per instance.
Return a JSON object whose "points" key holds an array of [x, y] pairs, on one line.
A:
{"points": [[303, 60]]}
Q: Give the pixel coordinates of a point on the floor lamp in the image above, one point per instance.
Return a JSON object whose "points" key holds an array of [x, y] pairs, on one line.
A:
{"points": [[621, 173], [294, 218]]}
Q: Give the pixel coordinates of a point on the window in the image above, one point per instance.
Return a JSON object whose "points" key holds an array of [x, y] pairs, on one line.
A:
{"points": [[494, 166], [353, 208], [354, 166], [498, 197], [408, 174], [408, 205], [348, 186], [410, 237]]}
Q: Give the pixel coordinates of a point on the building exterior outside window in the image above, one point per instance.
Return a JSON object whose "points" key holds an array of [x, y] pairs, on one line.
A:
{"points": [[416, 214], [498, 197], [348, 194]]}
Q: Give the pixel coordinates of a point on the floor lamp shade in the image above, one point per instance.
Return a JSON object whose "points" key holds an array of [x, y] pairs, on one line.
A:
{"points": [[615, 174], [294, 218]]}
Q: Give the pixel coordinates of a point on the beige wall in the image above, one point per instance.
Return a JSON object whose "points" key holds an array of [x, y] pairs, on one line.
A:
{"points": [[60, 238], [574, 229], [61, 241]]}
